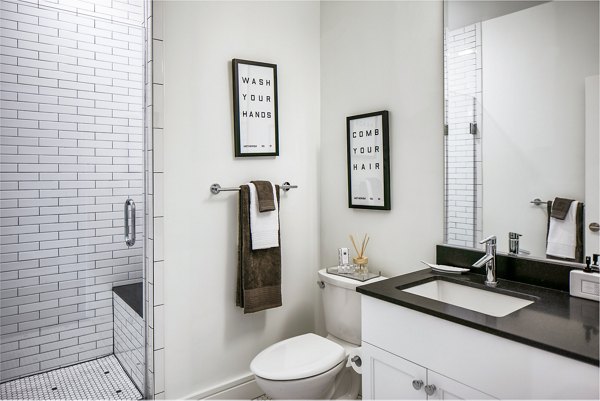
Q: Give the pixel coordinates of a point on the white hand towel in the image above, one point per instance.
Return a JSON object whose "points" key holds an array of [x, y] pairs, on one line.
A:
{"points": [[264, 227], [562, 235]]}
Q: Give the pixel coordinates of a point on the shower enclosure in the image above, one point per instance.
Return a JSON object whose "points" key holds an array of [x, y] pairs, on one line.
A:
{"points": [[72, 82]]}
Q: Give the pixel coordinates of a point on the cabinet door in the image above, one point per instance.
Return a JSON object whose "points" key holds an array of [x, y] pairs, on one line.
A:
{"points": [[448, 389], [388, 377]]}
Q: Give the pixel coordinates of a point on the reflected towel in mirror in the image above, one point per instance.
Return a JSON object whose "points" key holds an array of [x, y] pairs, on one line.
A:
{"points": [[565, 237]]}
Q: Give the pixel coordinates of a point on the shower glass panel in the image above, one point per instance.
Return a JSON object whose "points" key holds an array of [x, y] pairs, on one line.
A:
{"points": [[71, 160]]}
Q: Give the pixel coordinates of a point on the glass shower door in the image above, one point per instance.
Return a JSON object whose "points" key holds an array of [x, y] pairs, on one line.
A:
{"points": [[71, 172]]}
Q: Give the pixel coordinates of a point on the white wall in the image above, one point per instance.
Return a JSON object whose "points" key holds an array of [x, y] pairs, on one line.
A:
{"points": [[375, 56], [462, 13], [370, 56], [535, 62], [208, 340], [592, 163]]}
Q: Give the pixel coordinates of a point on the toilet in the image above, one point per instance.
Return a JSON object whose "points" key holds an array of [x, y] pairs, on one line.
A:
{"points": [[312, 367]]}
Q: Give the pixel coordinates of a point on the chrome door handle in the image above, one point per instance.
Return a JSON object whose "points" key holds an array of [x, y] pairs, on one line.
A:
{"points": [[430, 389], [129, 233], [417, 384]]}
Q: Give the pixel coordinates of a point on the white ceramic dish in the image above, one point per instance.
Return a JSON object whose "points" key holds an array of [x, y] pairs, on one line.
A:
{"points": [[446, 269]]}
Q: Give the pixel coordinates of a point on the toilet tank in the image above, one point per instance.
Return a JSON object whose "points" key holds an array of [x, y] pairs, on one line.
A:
{"points": [[341, 304]]}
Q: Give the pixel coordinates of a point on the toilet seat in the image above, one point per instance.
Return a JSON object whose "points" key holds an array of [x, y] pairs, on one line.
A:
{"points": [[297, 358]]}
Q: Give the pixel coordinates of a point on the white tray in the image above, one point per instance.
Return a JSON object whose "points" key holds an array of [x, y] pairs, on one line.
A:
{"points": [[446, 269]]}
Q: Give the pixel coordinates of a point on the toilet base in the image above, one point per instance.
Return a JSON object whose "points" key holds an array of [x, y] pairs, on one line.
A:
{"points": [[348, 384]]}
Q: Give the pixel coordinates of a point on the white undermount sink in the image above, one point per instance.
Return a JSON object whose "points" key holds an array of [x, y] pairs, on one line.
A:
{"points": [[487, 302]]}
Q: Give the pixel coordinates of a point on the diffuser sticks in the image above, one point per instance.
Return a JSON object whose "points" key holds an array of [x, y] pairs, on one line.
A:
{"points": [[361, 260]]}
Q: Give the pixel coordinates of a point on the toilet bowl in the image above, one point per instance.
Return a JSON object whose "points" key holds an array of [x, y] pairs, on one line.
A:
{"points": [[309, 366], [305, 367], [312, 388]]}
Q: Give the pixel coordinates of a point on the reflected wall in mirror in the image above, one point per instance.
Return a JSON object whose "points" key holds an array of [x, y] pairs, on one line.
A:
{"points": [[521, 96]]}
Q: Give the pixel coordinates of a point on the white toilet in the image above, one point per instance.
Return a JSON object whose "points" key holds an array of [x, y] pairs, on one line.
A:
{"points": [[311, 367]]}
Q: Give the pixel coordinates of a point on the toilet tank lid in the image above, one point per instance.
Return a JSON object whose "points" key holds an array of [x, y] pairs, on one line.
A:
{"points": [[344, 282], [297, 358]]}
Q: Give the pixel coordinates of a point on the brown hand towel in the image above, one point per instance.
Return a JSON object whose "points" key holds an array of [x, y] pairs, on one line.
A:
{"points": [[579, 238], [259, 271], [560, 208], [264, 192]]}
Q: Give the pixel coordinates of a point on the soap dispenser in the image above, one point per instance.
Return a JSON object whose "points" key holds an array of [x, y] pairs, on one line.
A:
{"points": [[586, 283], [595, 266]]}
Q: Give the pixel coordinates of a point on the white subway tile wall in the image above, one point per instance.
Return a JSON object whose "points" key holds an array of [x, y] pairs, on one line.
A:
{"points": [[71, 149], [462, 87], [129, 340]]}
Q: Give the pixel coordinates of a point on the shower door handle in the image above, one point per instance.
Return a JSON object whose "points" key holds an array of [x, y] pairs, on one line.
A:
{"points": [[129, 231]]}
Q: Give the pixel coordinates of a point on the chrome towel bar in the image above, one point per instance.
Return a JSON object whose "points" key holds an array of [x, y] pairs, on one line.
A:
{"points": [[594, 227], [538, 201], [216, 188]]}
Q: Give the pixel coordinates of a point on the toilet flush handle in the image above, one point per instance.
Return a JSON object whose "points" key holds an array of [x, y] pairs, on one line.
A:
{"points": [[320, 284], [356, 359]]}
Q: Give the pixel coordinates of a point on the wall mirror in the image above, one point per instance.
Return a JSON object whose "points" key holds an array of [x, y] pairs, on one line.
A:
{"points": [[521, 118]]}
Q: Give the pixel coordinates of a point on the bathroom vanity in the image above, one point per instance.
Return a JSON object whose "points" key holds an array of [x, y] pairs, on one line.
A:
{"points": [[419, 347]]}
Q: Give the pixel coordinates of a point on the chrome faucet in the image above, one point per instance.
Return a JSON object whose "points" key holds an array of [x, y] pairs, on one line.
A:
{"points": [[513, 245], [489, 261]]}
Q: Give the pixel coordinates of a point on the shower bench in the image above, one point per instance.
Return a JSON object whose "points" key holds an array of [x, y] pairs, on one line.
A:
{"points": [[128, 337]]}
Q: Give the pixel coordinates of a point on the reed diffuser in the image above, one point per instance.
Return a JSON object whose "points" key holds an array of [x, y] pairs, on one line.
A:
{"points": [[361, 260]]}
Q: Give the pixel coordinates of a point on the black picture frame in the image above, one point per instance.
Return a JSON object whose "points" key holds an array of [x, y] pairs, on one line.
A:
{"points": [[255, 113], [368, 161]]}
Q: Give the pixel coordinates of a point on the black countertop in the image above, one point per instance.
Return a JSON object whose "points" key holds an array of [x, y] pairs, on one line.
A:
{"points": [[555, 322]]}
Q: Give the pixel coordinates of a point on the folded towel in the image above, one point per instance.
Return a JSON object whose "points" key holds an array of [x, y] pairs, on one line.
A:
{"points": [[266, 198], [565, 237], [264, 227], [259, 272], [560, 208]]}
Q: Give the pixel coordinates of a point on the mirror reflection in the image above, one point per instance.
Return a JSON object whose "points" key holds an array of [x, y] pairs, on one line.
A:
{"points": [[521, 97]]}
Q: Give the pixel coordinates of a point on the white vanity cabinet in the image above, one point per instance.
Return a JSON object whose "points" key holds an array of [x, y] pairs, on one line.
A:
{"points": [[401, 345], [389, 377], [449, 389]]}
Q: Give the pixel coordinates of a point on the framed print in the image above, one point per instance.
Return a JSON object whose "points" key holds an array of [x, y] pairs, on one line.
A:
{"points": [[368, 161], [256, 128]]}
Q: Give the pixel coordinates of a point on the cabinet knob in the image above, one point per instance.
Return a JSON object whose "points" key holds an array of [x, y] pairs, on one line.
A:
{"points": [[417, 384], [430, 389]]}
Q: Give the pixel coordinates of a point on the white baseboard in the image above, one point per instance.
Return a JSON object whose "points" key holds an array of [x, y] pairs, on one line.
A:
{"points": [[244, 391], [244, 388]]}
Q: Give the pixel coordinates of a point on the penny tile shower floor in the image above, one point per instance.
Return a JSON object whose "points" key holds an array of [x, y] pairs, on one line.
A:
{"points": [[100, 379]]}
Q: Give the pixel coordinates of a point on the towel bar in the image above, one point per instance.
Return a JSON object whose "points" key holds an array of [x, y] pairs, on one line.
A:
{"points": [[538, 201], [216, 188]]}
